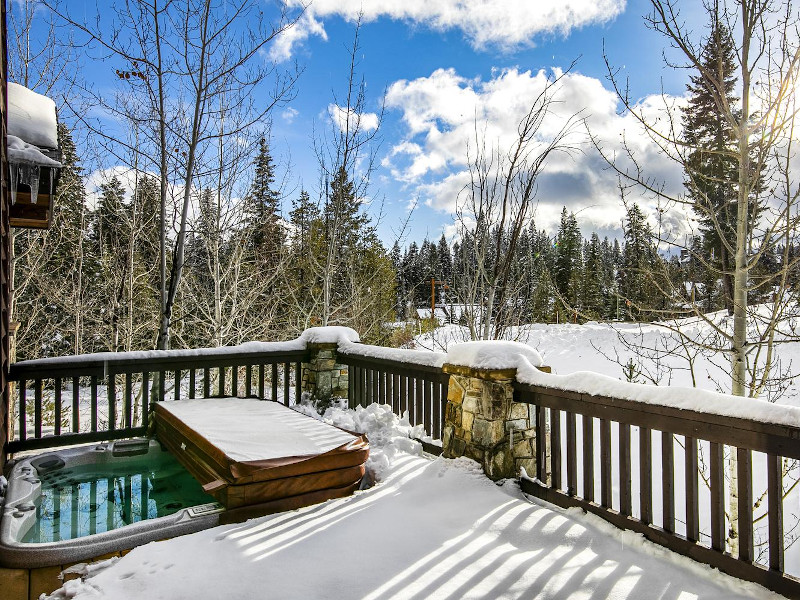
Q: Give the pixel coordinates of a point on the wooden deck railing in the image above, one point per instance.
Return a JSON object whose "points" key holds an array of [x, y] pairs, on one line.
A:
{"points": [[74, 400], [566, 474], [419, 389]]}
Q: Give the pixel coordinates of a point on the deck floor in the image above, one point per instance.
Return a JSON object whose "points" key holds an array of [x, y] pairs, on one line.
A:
{"points": [[431, 529]]}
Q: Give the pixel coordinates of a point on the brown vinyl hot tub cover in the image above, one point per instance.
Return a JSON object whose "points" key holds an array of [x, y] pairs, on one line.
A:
{"points": [[260, 454]]}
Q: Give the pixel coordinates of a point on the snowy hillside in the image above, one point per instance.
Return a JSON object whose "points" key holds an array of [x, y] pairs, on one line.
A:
{"points": [[658, 353]]}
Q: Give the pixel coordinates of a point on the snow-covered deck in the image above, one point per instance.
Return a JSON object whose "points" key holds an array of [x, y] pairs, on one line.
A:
{"points": [[430, 529]]}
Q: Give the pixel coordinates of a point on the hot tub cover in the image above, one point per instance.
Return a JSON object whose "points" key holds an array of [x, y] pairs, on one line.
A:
{"points": [[249, 452]]}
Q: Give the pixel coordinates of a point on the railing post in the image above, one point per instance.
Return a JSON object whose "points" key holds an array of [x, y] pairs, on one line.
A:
{"points": [[482, 421], [322, 376]]}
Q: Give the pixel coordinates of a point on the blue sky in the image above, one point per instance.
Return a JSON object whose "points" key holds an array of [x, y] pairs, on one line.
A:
{"points": [[439, 66], [399, 57]]}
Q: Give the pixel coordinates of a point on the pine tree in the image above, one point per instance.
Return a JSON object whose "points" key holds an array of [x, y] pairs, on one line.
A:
{"points": [[638, 263], [262, 206], [712, 165], [568, 259]]}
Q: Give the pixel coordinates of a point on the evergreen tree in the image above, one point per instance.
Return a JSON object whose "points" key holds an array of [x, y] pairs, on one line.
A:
{"points": [[568, 259], [638, 263], [712, 165], [262, 206]]}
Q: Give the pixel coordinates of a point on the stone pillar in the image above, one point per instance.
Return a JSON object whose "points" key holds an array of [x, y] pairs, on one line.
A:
{"points": [[479, 419], [322, 376]]}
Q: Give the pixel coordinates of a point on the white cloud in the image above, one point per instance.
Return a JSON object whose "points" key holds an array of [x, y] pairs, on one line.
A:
{"points": [[283, 46], [440, 112], [345, 119], [501, 23], [289, 115]]}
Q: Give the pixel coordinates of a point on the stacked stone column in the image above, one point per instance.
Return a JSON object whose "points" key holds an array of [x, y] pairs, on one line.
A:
{"points": [[482, 422], [322, 376]]}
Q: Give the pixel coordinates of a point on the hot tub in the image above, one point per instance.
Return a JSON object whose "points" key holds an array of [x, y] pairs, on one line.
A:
{"points": [[76, 504]]}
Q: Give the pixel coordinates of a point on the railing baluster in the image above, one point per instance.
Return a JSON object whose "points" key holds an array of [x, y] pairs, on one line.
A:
{"points": [[261, 374], [775, 508], [206, 382], [94, 403], [625, 469], [162, 385], [744, 467], [374, 396], [76, 405], [128, 400], [667, 481], [192, 383], [572, 455], [177, 390], [298, 381], [541, 444], [436, 431], [111, 388], [248, 381], [221, 387], [286, 385], [396, 394], [23, 406], [646, 474], [145, 395], [555, 448], [717, 481], [57, 403], [605, 463], [351, 386], [692, 503], [588, 457], [235, 381], [274, 382], [403, 394], [37, 408], [418, 414], [427, 406]]}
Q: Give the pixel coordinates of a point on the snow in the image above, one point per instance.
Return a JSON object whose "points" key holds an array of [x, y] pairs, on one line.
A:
{"points": [[701, 401], [246, 429], [416, 357], [493, 354], [429, 529], [31, 117], [329, 335], [248, 347], [20, 151]]}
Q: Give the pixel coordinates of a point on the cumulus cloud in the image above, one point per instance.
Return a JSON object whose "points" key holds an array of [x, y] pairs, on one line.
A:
{"points": [[442, 113], [347, 119], [283, 47], [500, 23], [289, 114]]}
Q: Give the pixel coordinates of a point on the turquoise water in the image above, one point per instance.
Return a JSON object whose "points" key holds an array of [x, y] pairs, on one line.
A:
{"points": [[89, 499]]}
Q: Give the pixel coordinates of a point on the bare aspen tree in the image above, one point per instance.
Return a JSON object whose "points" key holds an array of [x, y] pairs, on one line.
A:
{"points": [[766, 53], [176, 58], [496, 206]]}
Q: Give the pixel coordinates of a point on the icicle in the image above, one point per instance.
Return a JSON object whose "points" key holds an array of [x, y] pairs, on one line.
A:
{"points": [[34, 183], [14, 178]]}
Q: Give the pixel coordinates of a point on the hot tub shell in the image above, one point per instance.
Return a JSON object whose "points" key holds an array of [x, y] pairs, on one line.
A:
{"points": [[24, 488]]}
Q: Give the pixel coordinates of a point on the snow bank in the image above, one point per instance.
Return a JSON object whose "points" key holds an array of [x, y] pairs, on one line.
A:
{"points": [[388, 434], [702, 401], [416, 357], [31, 117], [20, 151], [492, 354]]}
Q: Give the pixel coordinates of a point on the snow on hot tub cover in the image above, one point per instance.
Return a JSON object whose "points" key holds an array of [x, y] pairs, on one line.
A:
{"points": [[248, 451]]}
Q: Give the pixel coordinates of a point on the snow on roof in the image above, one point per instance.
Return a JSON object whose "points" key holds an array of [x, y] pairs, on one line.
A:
{"points": [[31, 117], [493, 354], [20, 151]]}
